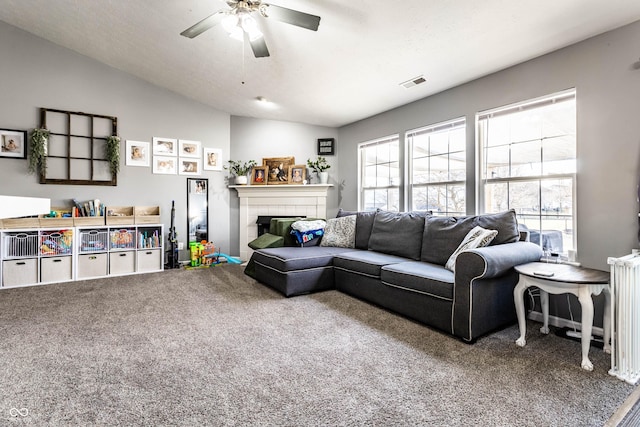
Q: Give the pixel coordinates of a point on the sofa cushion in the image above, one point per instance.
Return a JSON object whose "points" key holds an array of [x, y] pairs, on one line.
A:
{"points": [[340, 232], [398, 233], [478, 237], [418, 276], [292, 258], [364, 224], [367, 263], [267, 240], [442, 235]]}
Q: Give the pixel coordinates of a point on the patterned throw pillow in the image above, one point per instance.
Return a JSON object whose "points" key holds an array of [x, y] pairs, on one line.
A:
{"points": [[340, 232], [478, 237]]}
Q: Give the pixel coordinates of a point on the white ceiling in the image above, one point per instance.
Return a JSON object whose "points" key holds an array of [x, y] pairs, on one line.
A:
{"points": [[349, 70]]}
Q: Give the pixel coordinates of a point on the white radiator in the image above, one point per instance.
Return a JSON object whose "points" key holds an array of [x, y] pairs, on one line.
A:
{"points": [[625, 317]]}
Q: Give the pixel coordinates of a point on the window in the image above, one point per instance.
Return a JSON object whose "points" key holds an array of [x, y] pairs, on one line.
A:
{"points": [[528, 163], [380, 174], [438, 168]]}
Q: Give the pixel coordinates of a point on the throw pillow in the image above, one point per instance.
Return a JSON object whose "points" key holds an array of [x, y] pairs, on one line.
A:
{"points": [[398, 233], [340, 232], [364, 225], [478, 237], [442, 233]]}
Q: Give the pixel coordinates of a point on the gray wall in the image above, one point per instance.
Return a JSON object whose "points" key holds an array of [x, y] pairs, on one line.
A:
{"points": [[36, 73], [256, 138], [608, 108]]}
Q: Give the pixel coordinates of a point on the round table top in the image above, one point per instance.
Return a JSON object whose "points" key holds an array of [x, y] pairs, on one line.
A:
{"points": [[564, 273]]}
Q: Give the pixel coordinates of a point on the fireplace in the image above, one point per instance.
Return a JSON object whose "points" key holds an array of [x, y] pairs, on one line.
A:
{"points": [[276, 201]]}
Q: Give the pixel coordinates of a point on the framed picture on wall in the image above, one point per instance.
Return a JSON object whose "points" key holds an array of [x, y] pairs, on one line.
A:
{"points": [[137, 153], [165, 165], [165, 146], [13, 143], [212, 159], [189, 166], [189, 148], [326, 146]]}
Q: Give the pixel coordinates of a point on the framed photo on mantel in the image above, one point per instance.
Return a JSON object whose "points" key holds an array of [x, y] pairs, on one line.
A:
{"points": [[326, 146]]}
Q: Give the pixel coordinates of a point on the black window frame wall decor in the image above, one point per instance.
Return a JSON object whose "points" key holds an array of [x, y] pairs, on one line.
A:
{"points": [[62, 141], [326, 146]]}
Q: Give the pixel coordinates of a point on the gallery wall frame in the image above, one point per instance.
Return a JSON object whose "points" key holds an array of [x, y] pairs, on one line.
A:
{"points": [[212, 159], [137, 153], [165, 165], [188, 148], [13, 143], [165, 146], [189, 166]]}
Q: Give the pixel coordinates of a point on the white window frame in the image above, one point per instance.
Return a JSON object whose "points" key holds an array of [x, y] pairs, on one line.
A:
{"points": [[361, 170], [481, 160], [448, 125]]}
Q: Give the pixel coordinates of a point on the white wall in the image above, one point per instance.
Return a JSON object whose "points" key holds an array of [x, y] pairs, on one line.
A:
{"points": [[35, 73], [608, 109], [256, 139]]}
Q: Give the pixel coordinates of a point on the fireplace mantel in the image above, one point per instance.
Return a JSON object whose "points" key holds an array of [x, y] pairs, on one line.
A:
{"points": [[277, 200]]}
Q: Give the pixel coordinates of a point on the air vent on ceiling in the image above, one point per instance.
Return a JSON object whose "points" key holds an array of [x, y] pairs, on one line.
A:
{"points": [[413, 82]]}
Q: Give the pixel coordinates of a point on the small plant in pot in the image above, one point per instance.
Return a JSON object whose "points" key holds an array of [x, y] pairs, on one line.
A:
{"points": [[320, 166], [240, 170]]}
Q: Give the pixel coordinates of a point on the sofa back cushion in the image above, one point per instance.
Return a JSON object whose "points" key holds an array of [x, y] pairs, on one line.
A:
{"points": [[442, 235], [398, 233], [364, 224]]}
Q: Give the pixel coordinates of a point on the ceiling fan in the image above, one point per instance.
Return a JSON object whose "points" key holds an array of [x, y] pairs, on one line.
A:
{"points": [[239, 23]]}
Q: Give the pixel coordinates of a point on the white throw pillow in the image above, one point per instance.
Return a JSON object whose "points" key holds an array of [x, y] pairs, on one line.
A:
{"points": [[478, 237], [340, 232]]}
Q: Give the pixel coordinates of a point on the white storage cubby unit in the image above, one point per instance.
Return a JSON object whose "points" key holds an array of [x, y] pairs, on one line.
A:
{"points": [[34, 256], [117, 250], [47, 255]]}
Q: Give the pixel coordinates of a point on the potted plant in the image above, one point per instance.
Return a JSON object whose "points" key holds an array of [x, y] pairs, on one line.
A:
{"points": [[240, 170], [112, 154], [320, 167], [38, 151]]}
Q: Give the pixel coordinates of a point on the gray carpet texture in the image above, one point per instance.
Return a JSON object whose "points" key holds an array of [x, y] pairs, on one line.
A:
{"points": [[214, 347]]}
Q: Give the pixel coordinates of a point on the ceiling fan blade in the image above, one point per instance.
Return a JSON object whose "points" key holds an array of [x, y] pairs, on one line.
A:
{"points": [[259, 47], [290, 16], [204, 25]]}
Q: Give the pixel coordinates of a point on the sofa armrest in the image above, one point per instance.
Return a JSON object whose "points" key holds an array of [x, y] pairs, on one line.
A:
{"points": [[493, 261], [483, 289]]}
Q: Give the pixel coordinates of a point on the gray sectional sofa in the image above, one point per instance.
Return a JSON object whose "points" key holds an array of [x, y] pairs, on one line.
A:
{"points": [[398, 262]]}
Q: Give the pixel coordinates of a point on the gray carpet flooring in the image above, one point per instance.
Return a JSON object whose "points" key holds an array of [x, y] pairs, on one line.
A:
{"points": [[214, 347]]}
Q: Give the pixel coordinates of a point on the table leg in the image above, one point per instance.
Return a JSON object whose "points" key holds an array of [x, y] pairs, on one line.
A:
{"points": [[544, 303], [587, 325], [606, 322], [518, 299]]}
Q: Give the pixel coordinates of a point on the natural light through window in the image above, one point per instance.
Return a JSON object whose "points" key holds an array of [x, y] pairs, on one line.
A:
{"points": [[438, 168], [380, 174], [528, 163]]}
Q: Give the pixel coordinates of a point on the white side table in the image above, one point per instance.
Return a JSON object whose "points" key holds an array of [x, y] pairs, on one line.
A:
{"points": [[581, 282]]}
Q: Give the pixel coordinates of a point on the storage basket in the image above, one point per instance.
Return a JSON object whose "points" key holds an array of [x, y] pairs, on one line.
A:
{"points": [[21, 222], [119, 215], [81, 221], [45, 221], [147, 214]]}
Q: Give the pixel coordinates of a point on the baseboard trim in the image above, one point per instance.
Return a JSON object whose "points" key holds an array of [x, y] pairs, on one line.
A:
{"points": [[561, 322]]}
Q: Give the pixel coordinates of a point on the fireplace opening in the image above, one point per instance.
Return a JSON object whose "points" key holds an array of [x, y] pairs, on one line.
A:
{"points": [[264, 222]]}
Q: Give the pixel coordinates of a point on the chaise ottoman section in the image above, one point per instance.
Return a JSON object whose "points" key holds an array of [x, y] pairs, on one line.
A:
{"points": [[296, 271]]}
